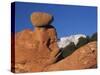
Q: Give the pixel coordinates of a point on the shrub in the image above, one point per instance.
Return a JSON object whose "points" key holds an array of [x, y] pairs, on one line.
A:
{"points": [[82, 41], [94, 37], [68, 50]]}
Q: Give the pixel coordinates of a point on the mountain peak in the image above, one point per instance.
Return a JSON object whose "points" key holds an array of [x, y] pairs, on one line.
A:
{"points": [[64, 41]]}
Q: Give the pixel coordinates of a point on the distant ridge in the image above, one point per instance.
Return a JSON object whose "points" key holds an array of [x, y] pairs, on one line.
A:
{"points": [[64, 41]]}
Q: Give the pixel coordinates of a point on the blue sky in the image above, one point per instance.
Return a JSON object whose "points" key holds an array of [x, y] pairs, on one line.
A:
{"points": [[68, 19]]}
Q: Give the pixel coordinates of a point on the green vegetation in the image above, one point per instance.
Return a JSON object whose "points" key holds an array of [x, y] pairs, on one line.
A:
{"points": [[68, 50], [94, 37], [82, 41]]}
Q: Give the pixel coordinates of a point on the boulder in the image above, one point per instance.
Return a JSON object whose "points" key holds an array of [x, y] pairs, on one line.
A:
{"points": [[41, 18]]}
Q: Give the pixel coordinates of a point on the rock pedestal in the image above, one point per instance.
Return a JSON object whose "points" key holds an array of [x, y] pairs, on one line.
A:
{"points": [[36, 49]]}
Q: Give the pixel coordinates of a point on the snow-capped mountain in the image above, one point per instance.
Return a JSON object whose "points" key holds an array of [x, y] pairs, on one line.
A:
{"points": [[64, 41]]}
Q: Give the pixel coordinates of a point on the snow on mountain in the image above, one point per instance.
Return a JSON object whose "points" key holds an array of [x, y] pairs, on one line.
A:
{"points": [[64, 41]]}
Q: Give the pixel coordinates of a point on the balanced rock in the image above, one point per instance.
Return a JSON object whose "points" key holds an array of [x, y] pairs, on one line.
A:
{"points": [[83, 58], [41, 18], [35, 49]]}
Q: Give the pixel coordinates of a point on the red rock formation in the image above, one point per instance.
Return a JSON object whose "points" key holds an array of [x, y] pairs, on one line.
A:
{"points": [[35, 50], [83, 58]]}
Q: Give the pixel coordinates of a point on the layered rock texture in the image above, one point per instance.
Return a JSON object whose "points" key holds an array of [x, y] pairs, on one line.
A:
{"points": [[37, 51], [83, 58]]}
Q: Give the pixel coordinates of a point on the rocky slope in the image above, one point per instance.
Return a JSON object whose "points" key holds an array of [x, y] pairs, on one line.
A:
{"points": [[83, 58]]}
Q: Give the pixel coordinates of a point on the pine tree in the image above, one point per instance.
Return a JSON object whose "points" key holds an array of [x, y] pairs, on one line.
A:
{"points": [[82, 41], [68, 50], [94, 37]]}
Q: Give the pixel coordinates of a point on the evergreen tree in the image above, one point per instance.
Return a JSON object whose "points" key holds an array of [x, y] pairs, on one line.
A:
{"points": [[94, 37], [68, 50], [82, 41]]}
